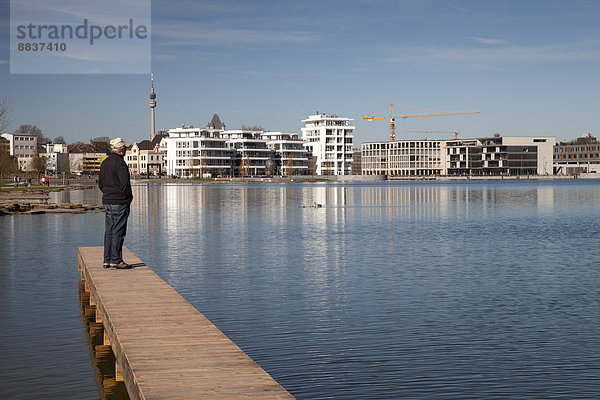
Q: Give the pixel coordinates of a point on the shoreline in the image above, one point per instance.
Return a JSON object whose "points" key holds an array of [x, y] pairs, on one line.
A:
{"points": [[348, 179], [35, 200]]}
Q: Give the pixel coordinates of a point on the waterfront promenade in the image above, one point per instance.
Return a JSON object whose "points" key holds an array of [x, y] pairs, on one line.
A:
{"points": [[164, 347]]}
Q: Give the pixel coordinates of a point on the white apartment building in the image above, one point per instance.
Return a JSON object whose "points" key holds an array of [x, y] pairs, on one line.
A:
{"points": [[250, 151], [329, 139], [290, 156], [23, 147], [196, 152], [403, 158]]}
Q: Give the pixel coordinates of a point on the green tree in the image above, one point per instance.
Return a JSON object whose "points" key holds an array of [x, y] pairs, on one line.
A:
{"points": [[59, 140]]}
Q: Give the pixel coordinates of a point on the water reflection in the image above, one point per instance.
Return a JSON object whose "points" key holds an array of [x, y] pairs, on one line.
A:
{"points": [[102, 356], [74, 196], [389, 290], [367, 295]]}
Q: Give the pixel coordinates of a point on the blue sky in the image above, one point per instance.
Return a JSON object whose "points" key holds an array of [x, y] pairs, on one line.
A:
{"points": [[531, 67]]}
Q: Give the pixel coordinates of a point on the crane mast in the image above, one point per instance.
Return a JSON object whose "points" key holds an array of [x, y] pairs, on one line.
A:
{"points": [[393, 117], [456, 132]]}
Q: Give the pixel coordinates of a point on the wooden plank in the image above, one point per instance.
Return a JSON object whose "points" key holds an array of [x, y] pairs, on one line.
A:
{"points": [[165, 348]]}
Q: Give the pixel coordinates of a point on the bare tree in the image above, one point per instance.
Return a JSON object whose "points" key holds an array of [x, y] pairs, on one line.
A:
{"points": [[327, 169], [75, 164], [192, 164], [270, 167], [202, 164], [4, 115], [256, 128], [244, 165], [33, 130], [100, 139], [39, 165], [290, 164], [64, 165], [8, 165], [29, 129], [312, 166]]}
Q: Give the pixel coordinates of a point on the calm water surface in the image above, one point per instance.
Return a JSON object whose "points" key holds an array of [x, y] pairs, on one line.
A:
{"points": [[390, 290]]}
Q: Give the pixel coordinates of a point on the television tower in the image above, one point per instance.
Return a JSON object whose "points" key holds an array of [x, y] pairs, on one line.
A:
{"points": [[152, 107]]}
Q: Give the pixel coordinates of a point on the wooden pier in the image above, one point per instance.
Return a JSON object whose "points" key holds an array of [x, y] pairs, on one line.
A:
{"points": [[164, 347]]}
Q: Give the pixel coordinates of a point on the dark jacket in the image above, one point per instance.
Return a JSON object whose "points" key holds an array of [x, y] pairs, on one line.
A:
{"points": [[114, 180]]}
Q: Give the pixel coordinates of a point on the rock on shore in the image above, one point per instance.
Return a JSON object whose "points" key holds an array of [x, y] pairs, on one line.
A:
{"points": [[29, 208], [35, 201]]}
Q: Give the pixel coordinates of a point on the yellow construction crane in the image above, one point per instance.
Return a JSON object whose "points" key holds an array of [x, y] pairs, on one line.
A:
{"points": [[393, 117], [456, 132]]}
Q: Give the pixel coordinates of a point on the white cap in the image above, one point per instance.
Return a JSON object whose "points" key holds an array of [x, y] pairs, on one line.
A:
{"points": [[117, 143]]}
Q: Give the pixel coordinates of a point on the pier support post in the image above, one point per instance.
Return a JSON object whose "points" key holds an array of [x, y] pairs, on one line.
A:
{"points": [[118, 375]]}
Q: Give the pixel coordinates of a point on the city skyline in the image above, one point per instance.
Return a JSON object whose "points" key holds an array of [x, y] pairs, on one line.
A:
{"points": [[529, 67]]}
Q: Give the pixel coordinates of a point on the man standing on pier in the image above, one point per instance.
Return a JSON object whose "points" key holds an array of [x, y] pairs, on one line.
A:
{"points": [[116, 197]]}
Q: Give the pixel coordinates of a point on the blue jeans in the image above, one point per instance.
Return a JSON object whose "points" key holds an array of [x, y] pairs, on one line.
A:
{"points": [[115, 230]]}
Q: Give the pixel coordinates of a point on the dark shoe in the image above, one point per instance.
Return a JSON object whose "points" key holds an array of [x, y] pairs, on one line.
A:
{"points": [[106, 265], [123, 266]]}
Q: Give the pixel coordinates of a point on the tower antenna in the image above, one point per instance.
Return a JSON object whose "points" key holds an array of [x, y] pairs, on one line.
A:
{"points": [[152, 107]]}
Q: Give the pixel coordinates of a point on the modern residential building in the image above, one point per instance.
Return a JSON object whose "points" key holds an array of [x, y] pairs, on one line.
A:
{"points": [[500, 155], [329, 138], [581, 155], [402, 158], [510, 155], [23, 147], [250, 151], [289, 154], [196, 152]]}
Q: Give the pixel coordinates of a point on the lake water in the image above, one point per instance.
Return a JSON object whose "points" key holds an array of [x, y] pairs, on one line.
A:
{"points": [[389, 290]]}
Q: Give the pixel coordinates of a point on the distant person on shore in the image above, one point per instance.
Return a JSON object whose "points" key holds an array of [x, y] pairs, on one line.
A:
{"points": [[116, 197], [16, 180], [29, 182]]}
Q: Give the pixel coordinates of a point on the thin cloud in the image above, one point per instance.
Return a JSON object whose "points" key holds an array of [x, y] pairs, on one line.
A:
{"points": [[490, 41], [193, 34], [491, 57]]}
